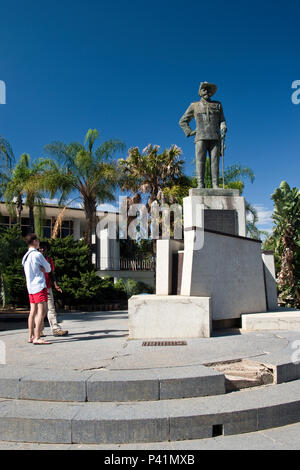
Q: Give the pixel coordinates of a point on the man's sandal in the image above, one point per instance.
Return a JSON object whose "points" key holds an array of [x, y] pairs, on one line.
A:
{"points": [[40, 341]]}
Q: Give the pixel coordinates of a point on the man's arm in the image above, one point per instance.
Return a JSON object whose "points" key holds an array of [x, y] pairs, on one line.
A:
{"points": [[186, 118], [53, 277], [223, 126], [42, 261]]}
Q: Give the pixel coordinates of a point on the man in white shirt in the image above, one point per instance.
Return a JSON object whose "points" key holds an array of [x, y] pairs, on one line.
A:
{"points": [[35, 267]]}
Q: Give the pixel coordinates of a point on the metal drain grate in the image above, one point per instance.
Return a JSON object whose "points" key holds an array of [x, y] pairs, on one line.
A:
{"points": [[164, 343]]}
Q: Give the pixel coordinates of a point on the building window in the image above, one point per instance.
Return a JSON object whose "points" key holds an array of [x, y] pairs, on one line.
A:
{"points": [[47, 229], [25, 225], [4, 222], [65, 229]]}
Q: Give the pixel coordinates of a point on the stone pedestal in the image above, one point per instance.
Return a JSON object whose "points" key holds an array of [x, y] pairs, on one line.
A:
{"points": [[228, 268], [224, 210], [169, 316]]}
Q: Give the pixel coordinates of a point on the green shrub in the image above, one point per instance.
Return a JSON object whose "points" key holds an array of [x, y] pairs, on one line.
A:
{"points": [[74, 272], [12, 250], [132, 287], [77, 276]]}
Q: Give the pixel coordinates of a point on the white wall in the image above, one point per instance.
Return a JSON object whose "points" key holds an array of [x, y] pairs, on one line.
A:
{"points": [[230, 271]]}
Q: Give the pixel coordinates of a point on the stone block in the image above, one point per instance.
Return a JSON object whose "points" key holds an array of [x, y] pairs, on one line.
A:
{"points": [[10, 381], [240, 422], [173, 316], [278, 320], [222, 200], [270, 280], [125, 385], [119, 424], [228, 269], [191, 427], [278, 415], [35, 422], [54, 385], [194, 381]]}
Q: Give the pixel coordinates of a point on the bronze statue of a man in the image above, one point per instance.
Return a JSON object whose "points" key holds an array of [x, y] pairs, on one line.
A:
{"points": [[210, 124]]}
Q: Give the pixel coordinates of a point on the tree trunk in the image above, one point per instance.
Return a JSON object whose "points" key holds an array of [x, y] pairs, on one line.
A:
{"points": [[31, 218], [19, 209], [90, 214]]}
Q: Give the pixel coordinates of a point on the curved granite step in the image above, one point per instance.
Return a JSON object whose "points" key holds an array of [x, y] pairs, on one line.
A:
{"points": [[155, 421], [110, 385]]}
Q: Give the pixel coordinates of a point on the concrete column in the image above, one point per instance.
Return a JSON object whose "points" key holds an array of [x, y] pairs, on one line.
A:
{"points": [[104, 249], [270, 279], [109, 251], [115, 254], [164, 264]]}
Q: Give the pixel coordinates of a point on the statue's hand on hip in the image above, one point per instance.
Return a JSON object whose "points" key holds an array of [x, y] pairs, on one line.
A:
{"points": [[192, 133]]}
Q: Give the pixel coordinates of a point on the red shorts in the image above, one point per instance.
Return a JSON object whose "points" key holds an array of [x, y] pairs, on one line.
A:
{"points": [[41, 296]]}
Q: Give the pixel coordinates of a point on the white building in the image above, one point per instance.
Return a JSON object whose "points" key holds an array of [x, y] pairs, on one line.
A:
{"points": [[106, 252]]}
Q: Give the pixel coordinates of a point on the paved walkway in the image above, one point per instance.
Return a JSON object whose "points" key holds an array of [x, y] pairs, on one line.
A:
{"points": [[283, 438], [100, 340]]}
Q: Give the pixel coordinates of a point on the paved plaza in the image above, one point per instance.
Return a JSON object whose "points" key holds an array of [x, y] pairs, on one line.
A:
{"points": [[166, 386], [99, 340]]}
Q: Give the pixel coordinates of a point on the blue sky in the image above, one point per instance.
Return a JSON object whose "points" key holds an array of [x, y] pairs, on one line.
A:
{"points": [[130, 69]]}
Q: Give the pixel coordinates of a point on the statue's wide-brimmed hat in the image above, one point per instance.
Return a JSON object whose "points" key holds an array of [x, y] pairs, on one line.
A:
{"points": [[213, 88]]}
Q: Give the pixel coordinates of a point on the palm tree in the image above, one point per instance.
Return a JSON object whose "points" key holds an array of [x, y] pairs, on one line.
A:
{"points": [[251, 223], [151, 175], [90, 173], [27, 181], [151, 172], [6, 162]]}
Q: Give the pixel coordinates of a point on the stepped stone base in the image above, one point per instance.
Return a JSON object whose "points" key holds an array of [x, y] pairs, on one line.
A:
{"points": [[192, 418], [107, 386]]}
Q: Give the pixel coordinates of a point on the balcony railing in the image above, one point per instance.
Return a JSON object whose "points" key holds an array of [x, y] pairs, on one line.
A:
{"points": [[125, 264], [136, 264]]}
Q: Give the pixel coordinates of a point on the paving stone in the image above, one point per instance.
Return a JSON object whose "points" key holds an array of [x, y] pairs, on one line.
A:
{"points": [[54, 385], [190, 382], [279, 415], [119, 424], [189, 428], [238, 423], [35, 422], [123, 386], [10, 381], [285, 436]]}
